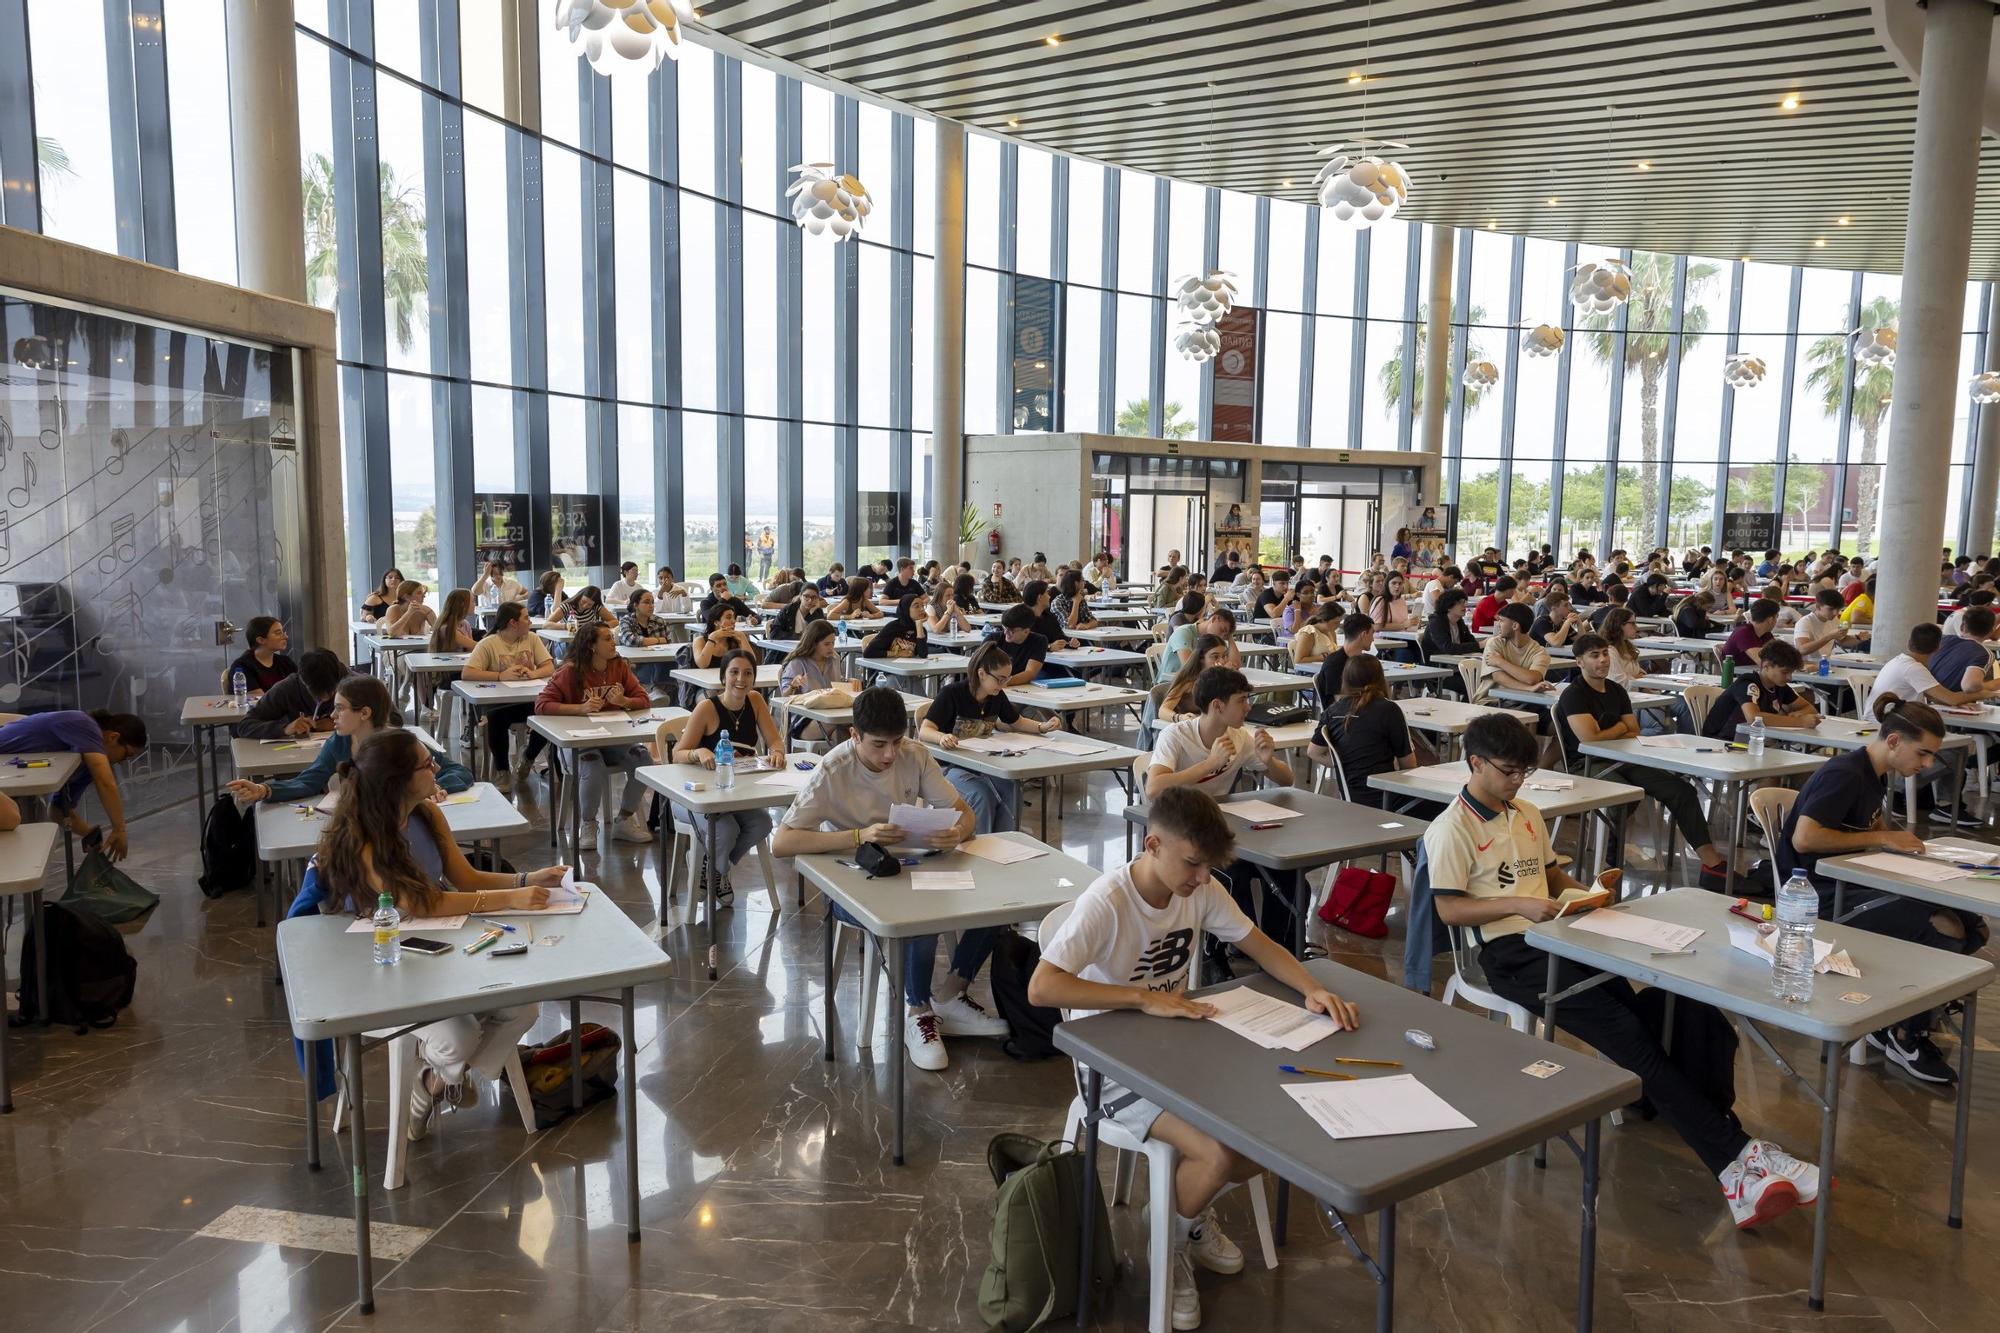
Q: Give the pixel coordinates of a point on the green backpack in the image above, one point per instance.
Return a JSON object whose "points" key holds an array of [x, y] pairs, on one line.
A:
{"points": [[1031, 1279]]}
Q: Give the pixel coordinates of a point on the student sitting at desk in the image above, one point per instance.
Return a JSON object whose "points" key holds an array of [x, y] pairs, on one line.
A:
{"points": [[1366, 729], [453, 632], [1175, 698], [1319, 635], [1765, 691], [1839, 812], [792, 618], [1026, 648], [855, 604], [949, 610], [627, 583], [361, 708], [1821, 629], [1746, 643], [997, 586], [1180, 644], [1071, 606], [845, 803], [814, 661], [1649, 599], [297, 705], [1963, 660], [1492, 872], [1860, 612], [1446, 632], [388, 836], [547, 600], [409, 618], [1357, 639], [263, 663], [1127, 945], [512, 652], [585, 608], [595, 679], [640, 628], [1558, 623], [380, 602], [1512, 659], [903, 636], [497, 582], [1207, 752], [102, 740], [738, 709], [1595, 707], [1691, 615], [976, 707], [718, 636]]}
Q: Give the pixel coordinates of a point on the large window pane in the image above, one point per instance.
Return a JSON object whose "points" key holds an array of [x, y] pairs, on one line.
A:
{"points": [[1385, 394], [982, 334], [198, 106], [1336, 268], [699, 319], [560, 63], [760, 497], [1135, 368], [875, 347], [698, 496], [1035, 177], [982, 182], [636, 532], [1286, 290], [872, 473], [413, 482], [760, 312], [1704, 333], [923, 210], [493, 439], [1086, 222], [816, 326], [817, 495], [1278, 354], [1824, 322], [1333, 369], [1083, 322], [632, 222], [489, 278], [568, 471], [697, 119], [878, 166], [405, 253], [1236, 241], [73, 124], [1135, 232], [1187, 226], [762, 189], [1388, 274], [923, 302], [562, 209]]}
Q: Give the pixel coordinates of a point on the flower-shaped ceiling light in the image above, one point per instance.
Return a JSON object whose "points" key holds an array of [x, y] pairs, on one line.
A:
{"points": [[1985, 387], [1875, 347], [1198, 342], [1740, 370], [619, 36], [1542, 340], [1205, 300], [1481, 375], [827, 203], [1361, 189], [1601, 287]]}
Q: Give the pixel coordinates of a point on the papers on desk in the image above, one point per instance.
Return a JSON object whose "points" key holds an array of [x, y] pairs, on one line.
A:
{"points": [[996, 744], [1372, 1107], [1260, 812], [1274, 1024], [920, 822], [1674, 741], [942, 881], [1640, 930], [1063, 743], [460, 798], [1961, 852], [364, 925], [1550, 784], [1000, 851], [1915, 867], [565, 899], [1763, 944], [791, 779], [589, 733]]}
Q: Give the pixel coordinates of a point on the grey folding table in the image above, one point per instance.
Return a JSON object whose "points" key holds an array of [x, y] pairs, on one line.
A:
{"points": [[891, 910], [336, 991], [1898, 979], [841, 715], [1230, 1088], [1553, 795], [1545, 699], [710, 678], [1067, 699], [1846, 733], [925, 670], [1031, 761], [24, 860], [1969, 894], [205, 716], [482, 696], [1330, 831], [20, 781], [569, 734]]}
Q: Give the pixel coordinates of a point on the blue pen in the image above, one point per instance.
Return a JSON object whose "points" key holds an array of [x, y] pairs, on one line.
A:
{"points": [[497, 925], [1316, 1073]]}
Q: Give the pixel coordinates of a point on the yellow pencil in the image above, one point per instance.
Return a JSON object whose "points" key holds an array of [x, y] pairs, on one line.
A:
{"points": [[1378, 1064]]}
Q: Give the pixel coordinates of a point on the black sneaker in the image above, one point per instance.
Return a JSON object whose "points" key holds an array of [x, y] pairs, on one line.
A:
{"points": [[1915, 1054]]}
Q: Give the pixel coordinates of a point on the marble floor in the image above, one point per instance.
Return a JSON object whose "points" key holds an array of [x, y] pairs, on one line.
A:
{"points": [[152, 1176]]}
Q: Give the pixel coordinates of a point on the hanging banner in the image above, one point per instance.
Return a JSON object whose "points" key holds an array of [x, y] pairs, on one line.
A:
{"points": [[878, 518], [500, 528], [1235, 415], [1034, 376], [577, 531], [1755, 533]]}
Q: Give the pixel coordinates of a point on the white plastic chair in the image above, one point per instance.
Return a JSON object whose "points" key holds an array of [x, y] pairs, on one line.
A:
{"points": [[1461, 987], [685, 847], [402, 1075], [1161, 1162], [1770, 807]]}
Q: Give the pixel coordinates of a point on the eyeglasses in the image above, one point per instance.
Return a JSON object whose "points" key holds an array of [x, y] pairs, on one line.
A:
{"points": [[1511, 773]]}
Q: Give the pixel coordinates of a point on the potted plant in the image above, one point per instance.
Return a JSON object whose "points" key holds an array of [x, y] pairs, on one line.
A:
{"points": [[971, 527]]}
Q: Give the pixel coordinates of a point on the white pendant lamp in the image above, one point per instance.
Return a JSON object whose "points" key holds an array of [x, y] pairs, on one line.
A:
{"points": [[827, 203], [1600, 286], [1542, 340], [1481, 375], [624, 36], [1198, 342], [1740, 370]]}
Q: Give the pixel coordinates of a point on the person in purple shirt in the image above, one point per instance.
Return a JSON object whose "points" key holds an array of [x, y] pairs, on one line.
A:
{"points": [[103, 739], [1745, 644]]}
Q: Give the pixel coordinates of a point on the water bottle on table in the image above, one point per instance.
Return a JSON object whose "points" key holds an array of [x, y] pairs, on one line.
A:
{"points": [[1798, 916], [388, 932], [1756, 737], [1825, 665], [725, 763], [239, 686]]}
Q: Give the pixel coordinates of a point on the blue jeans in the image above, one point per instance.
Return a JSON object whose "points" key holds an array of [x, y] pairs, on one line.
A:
{"points": [[991, 799], [920, 955], [736, 834]]}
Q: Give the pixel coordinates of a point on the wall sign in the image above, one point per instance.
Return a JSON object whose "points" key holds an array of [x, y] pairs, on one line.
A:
{"points": [[878, 518]]}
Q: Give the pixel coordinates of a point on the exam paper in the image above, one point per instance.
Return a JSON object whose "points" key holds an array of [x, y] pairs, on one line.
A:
{"points": [[411, 923], [919, 821], [1270, 1022], [1916, 867], [1258, 812], [1639, 929], [1372, 1107], [1551, 784], [1745, 936], [1066, 744], [1011, 743], [589, 733], [791, 779], [1673, 741], [942, 881], [1972, 853], [1000, 851]]}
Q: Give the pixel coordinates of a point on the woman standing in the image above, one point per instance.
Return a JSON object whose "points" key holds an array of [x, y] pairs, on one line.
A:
{"points": [[738, 710], [388, 836]]}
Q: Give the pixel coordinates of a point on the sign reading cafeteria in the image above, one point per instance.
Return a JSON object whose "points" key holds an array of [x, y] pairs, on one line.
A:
{"points": [[877, 518]]}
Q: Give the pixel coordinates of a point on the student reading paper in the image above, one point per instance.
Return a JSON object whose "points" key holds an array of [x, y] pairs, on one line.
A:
{"points": [[1129, 944]]}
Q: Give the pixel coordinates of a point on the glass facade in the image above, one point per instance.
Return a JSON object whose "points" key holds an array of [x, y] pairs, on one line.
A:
{"points": [[591, 285]]}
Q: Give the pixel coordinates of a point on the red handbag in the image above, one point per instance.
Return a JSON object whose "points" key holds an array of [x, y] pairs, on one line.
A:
{"points": [[1358, 902]]}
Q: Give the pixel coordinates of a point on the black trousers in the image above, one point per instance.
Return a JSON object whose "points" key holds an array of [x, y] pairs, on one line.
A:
{"points": [[1280, 892], [1604, 1018], [499, 722]]}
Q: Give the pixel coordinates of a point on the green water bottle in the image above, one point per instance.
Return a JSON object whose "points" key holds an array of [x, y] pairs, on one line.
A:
{"points": [[1728, 671]]}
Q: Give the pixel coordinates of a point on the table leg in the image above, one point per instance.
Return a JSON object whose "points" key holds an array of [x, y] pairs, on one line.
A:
{"points": [[1549, 1035], [575, 1055], [364, 1282], [894, 948], [39, 925], [1956, 1217], [573, 786], [631, 1118], [1385, 1259], [1735, 840], [1284, 1207], [1823, 1212], [1093, 1096], [311, 1062], [826, 990], [200, 778], [710, 877], [1958, 782], [214, 762], [1586, 1278]]}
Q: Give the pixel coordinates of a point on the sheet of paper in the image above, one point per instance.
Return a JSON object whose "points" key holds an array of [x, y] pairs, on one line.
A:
{"points": [[942, 881], [1259, 812], [791, 779], [1957, 849], [1916, 867], [1372, 1107], [590, 733], [1000, 851], [460, 798], [1011, 743], [1673, 741], [1272, 1023], [919, 821], [566, 899], [411, 924], [1066, 744], [1639, 930], [1551, 784]]}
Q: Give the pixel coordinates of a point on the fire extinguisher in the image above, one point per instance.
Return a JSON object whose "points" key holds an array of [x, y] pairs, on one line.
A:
{"points": [[993, 541]]}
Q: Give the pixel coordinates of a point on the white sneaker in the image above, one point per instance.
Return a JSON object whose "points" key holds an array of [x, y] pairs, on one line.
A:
{"points": [[1210, 1248], [963, 1016], [631, 828], [1756, 1194], [1803, 1175], [923, 1041], [1186, 1304], [586, 837]]}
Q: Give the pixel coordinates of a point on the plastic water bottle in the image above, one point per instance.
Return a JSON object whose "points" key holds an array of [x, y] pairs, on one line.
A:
{"points": [[1798, 915], [1756, 737], [1825, 664], [239, 685], [388, 932], [725, 763], [840, 630]]}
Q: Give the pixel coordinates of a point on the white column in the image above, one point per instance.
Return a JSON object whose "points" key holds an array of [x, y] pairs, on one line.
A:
{"points": [[264, 143], [1437, 363], [1936, 254], [1986, 458], [948, 335]]}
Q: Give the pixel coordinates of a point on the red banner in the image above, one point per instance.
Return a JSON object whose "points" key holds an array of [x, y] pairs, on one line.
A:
{"points": [[1235, 416]]}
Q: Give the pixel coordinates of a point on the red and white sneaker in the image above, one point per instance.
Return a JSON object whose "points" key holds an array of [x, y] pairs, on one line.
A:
{"points": [[1761, 1187]]}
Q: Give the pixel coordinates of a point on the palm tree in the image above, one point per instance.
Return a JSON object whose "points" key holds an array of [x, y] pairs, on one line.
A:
{"points": [[53, 160], [1132, 420], [1648, 340], [1873, 387], [1390, 375], [405, 260]]}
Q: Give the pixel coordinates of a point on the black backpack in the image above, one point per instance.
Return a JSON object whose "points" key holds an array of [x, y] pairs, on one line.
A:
{"points": [[1703, 1047], [1031, 1027], [228, 849], [91, 975], [690, 695]]}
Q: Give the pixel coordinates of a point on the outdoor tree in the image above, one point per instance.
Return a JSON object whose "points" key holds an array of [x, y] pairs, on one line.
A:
{"points": [[405, 262], [1390, 375], [1132, 420], [1873, 387]]}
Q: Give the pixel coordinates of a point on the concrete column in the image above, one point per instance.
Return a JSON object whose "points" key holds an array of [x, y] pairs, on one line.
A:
{"points": [[1437, 362], [264, 141], [948, 334], [1936, 254], [1986, 455]]}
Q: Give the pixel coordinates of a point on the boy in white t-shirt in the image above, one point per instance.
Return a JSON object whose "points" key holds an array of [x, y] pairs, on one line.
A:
{"points": [[1128, 944]]}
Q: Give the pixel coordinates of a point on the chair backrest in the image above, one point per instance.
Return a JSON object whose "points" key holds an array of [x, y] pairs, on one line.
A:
{"points": [[1053, 921], [664, 737], [1333, 766], [1771, 807], [1700, 698], [1472, 671]]}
